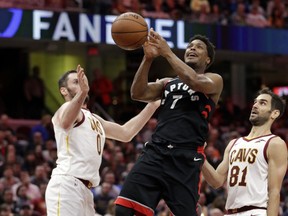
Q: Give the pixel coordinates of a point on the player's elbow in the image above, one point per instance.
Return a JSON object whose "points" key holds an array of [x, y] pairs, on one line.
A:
{"points": [[137, 96], [274, 193], [216, 185], [126, 138], [134, 96]]}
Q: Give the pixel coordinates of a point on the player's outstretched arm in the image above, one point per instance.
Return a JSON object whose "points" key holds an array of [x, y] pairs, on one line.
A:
{"points": [[277, 167], [208, 83], [141, 90], [130, 129], [216, 178]]}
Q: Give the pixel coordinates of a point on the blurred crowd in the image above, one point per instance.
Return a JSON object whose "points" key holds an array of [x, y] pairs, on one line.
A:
{"points": [[256, 13], [28, 154]]}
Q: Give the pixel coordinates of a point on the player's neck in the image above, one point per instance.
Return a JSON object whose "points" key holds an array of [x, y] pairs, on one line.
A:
{"points": [[258, 131], [198, 68]]}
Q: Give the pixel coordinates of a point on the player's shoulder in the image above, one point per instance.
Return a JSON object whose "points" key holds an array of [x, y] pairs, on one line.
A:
{"points": [[59, 113], [232, 143], [95, 115], [165, 79], [277, 140], [213, 75], [217, 79], [99, 118], [276, 144], [64, 105], [61, 108], [277, 147]]}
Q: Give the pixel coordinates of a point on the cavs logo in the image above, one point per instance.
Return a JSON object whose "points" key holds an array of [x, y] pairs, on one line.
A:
{"points": [[10, 22]]}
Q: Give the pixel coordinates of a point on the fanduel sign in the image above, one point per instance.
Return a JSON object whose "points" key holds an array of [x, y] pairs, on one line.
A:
{"points": [[95, 28], [77, 27], [81, 27]]}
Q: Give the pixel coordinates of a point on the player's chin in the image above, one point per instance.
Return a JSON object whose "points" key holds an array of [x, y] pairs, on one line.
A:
{"points": [[190, 62]]}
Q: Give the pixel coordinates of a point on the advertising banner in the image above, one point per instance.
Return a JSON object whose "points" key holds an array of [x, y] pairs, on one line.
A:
{"points": [[81, 27]]}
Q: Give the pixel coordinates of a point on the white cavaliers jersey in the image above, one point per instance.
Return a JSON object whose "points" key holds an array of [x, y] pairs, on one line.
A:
{"points": [[80, 149], [247, 181]]}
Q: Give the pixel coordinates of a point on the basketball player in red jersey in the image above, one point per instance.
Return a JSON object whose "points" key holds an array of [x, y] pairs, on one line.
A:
{"points": [[254, 166], [170, 165]]}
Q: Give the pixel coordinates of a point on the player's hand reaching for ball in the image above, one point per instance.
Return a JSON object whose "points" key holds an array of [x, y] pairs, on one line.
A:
{"points": [[159, 43], [82, 79], [150, 51]]}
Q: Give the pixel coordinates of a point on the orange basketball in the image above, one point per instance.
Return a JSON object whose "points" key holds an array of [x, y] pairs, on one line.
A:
{"points": [[129, 31]]}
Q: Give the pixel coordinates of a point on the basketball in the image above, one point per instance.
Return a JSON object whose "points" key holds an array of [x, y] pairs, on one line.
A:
{"points": [[129, 31]]}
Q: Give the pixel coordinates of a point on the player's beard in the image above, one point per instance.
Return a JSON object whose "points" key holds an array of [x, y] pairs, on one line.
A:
{"points": [[260, 120], [193, 65]]}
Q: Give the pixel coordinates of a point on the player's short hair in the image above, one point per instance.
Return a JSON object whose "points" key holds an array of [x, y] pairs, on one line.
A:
{"points": [[277, 103], [210, 47], [62, 82]]}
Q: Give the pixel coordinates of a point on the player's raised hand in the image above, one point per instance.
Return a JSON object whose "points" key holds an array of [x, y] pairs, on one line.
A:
{"points": [[150, 50], [82, 79], [159, 42]]}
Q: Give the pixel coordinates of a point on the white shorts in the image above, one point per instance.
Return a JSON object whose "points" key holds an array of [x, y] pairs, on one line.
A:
{"points": [[68, 196], [256, 212]]}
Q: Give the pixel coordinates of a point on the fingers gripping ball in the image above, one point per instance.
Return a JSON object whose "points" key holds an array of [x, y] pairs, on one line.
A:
{"points": [[129, 31]]}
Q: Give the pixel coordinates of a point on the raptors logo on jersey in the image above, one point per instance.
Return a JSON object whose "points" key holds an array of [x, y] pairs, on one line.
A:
{"points": [[183, 115], [247, 180]]}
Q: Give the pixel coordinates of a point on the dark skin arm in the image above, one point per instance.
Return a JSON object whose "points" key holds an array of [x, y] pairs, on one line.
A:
{"points": [[210, 84], [141, 89]]}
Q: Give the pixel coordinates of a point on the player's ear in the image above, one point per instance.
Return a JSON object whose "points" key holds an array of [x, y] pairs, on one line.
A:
{"points": [[63, 91], [275, 114], [208, 60]]}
